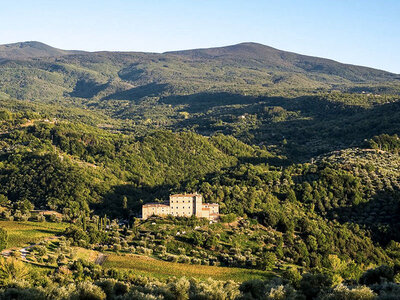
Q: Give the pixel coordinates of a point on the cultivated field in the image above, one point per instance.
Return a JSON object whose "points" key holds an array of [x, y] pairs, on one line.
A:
{"points": [[24, 233], [151, 267]]}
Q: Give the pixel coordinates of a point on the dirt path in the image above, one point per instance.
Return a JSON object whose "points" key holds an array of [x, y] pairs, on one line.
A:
{"points": [[100, 259]]}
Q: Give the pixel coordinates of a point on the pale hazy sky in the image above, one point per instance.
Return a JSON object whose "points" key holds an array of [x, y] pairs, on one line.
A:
{"points": [[362, 32]]}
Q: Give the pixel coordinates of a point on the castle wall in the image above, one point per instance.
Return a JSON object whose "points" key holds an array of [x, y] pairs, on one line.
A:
{"points": [[156, 209], [182, 205]]}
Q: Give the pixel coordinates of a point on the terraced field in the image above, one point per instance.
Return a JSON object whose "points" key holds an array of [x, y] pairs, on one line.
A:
{"points": [[151, 267]]}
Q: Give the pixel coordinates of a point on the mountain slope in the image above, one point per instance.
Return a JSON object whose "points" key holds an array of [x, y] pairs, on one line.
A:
{"points": [[243, 68], [258, 55], [31, 49]]}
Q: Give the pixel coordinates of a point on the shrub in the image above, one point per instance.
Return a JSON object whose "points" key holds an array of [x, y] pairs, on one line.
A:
{"points": [[55, 218], [40, 218], [228, 218], [87, 290], [378, 275], [357, 293]]}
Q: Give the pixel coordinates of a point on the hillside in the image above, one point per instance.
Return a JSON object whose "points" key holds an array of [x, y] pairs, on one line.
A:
{"points": [[32, 49], [295, 105], [258, 56], [247, 68]]}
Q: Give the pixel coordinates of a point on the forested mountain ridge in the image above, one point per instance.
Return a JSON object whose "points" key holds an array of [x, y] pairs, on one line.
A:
{"points": [[246, 68], [256, 55], [31, 49]]}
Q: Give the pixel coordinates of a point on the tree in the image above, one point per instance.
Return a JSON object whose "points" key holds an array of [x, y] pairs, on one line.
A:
{"points": [[4, 200], [269, 261], [3, 238], [378, 275], [5, 115], [180, 289], [11, 269], [313, 284], [356, 293], [198, 238], [125, 203], [88, 291]]}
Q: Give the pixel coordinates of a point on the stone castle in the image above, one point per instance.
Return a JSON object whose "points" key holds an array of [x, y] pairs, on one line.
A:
{"points": [[182, 205]]}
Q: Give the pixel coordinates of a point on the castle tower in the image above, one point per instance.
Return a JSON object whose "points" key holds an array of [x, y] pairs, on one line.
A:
{"points": [[198, 205]]}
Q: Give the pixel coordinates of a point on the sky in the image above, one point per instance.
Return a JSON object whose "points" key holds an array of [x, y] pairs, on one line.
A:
{"points": [[361, 32]]}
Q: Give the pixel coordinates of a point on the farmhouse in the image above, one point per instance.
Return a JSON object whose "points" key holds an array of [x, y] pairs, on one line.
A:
{"points": [[182, 205]]}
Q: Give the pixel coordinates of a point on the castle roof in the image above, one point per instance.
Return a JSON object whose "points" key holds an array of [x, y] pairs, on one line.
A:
{"points": [[155, 205], [185, 195]]}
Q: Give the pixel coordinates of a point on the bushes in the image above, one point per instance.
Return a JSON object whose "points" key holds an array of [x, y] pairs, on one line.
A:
{"points": [[228, 218], [71, 282], [385, 142], [378, 275], [11, 269], [40, 218], [87, 290], [55, 218], [355, 293]]}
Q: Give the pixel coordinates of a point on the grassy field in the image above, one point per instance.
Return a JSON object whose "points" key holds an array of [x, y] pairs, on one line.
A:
{"points": [[85, 254], [151, 267], [24, 233]]}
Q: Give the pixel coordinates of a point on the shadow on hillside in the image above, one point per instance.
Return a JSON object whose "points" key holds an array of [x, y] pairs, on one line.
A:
{"points": [[303, 127], [112, 203], [202, 102], [148, 90], [380, 215], [272, 161], [87, 89]]}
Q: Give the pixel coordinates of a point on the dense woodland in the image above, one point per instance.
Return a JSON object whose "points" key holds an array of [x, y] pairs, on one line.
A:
{"points": [[303, 161]]}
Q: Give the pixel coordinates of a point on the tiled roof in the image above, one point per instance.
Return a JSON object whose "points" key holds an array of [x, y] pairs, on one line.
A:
{"points": [[185, 195]]}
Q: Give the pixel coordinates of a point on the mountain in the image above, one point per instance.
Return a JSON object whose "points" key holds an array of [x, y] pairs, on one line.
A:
{"points": [[39, 72], [256, 55], [31, 49]]}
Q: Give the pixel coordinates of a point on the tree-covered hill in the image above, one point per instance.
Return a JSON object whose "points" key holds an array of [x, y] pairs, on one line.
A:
{"points": [[75, 168], [32, 49], [247, 68], [258, 56], [65, 164]]}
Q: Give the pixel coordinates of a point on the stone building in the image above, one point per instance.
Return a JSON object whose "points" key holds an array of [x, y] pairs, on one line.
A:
{"points": [[182, 205]]}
